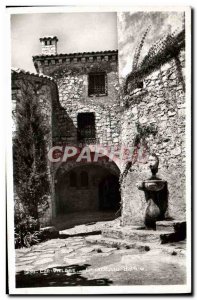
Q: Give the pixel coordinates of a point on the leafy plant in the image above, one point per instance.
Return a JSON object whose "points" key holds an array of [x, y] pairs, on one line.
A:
{"points": [[143, 132], [26, 238], [30, 165], [165, 46], [139, 49], [161, 52], [26, 228]]}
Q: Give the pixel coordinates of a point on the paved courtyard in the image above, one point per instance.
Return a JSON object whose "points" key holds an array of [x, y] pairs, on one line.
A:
{"points": [[73, 261]]}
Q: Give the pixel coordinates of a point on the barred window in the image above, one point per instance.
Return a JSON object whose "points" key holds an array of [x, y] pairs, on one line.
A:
{"points": [[97, 84], [86, 126]]}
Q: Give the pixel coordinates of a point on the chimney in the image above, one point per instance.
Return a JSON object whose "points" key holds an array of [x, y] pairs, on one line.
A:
{"points": [[49, 45]]}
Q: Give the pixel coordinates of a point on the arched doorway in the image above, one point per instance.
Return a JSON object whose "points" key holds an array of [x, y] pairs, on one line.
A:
{"points": [[88, 189]]}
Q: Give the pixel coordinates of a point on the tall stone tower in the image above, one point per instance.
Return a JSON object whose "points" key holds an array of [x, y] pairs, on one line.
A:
{"points": [[49, 45]]}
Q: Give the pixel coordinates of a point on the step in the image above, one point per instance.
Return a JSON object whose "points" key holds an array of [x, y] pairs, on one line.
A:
{"points": [[117, 243], [171, 226], [178, 248], [65, 233], [86, 229], [144, 236]]}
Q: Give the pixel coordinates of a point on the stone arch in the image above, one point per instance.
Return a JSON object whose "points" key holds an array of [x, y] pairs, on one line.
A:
{"points": [[89, 194], [113, 165]]}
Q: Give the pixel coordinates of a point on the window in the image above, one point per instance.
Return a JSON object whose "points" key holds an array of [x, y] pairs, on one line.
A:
{"points": [[140, 84], [86, 126], [84, 179], [97, 84], [73, 179]]}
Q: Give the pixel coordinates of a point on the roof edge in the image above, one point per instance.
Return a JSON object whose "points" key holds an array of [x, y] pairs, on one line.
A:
{"points": [[106, 52], [21, 71]]}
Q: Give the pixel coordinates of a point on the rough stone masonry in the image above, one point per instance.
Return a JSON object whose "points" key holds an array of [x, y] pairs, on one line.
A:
{"points": [[152, 113]]}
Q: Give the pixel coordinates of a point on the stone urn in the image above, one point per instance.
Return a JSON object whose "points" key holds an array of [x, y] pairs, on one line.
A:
{"points": [[155, 191]]}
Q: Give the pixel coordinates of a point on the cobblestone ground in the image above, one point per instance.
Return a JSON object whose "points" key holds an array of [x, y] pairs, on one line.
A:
{"points": [[72, 261]]}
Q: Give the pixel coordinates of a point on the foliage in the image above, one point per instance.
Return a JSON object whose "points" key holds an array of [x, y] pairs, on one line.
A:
{"points": [[26, 227], [161, 52], [162, 49], [30, 163], [138, 49], [143, 132]]}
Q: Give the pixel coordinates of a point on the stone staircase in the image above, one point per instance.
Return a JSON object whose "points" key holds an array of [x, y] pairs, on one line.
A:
{"points": [[135, 237]]}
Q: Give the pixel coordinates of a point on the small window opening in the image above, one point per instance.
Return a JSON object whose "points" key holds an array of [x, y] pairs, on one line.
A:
{"points": [[140, 84], [97, 84], [86, 126]]}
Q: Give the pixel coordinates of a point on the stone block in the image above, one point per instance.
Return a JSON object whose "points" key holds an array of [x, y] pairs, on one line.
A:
{"points": [[116, 243], [171, 226], [131, 234], [49, 232]]}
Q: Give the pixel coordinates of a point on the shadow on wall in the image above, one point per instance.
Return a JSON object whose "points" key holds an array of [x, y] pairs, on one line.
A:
{"points": [[63, 129], [61, 276], [180, 72], [87, 187]]}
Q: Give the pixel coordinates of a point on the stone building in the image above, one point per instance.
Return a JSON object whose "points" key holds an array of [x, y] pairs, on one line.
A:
{"points": [[85, 111], [84, 104]]}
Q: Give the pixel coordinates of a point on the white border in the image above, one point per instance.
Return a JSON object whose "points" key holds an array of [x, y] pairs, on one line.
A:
{"points": [[154, 289], [103, 8]]}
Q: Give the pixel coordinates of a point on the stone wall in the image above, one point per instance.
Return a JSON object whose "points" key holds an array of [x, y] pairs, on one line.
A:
{"points": [[71, 72], [153, 112], [74, 99], [158, 106], [71, 76]]}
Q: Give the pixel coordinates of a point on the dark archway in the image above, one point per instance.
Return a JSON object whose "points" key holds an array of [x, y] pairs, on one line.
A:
{"points": [[109, 193], [88, 192]]}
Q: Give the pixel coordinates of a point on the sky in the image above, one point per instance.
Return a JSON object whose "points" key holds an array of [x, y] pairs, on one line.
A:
{"points": [[159, 23], [76, 32]]}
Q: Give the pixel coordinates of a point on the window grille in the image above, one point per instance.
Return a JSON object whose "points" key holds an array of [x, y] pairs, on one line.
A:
{"points": [[86, 126], [97, 84]]}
